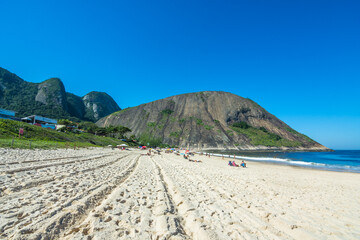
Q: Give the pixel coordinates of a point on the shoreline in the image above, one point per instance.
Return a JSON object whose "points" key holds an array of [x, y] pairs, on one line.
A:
{"points": [[288, 162], [264, 150]]}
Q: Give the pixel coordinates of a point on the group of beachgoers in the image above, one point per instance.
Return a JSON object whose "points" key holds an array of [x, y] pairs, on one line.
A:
{"points": [[187, 156], [233, 164], [152, 151]]}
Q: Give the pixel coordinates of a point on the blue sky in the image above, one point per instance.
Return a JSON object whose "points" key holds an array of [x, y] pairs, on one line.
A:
{"points": [[300, 60]]}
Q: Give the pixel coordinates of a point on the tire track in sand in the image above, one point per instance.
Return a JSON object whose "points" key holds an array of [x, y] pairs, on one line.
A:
{"points": [[212, 200], [59, 177], [168, 222], [77, 208], [140, 208], [46, 159], [250, 223], [37, 167], [193, 223]]}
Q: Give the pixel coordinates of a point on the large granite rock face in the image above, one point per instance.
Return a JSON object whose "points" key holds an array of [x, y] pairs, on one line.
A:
{"points": [[204, 120], [98, 105], [50, 99]]}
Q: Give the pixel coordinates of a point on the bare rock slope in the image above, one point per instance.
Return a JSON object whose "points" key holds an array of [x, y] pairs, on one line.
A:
{"points": [[210, 120], [99, 104]]}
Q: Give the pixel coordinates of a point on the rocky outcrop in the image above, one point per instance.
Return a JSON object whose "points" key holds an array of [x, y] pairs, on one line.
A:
{"points": [[98, 105], [211, 120], [52, 91]]}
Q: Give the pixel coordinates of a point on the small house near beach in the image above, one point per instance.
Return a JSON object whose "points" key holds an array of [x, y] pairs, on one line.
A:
{"points": [[40, 121], [33, 119]]}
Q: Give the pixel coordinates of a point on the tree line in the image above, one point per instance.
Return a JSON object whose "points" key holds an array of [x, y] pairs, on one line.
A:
{"points": [[90, 127]]}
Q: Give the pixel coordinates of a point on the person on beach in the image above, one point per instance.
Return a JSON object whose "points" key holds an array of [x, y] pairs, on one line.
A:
{"points": [[234, 164], [243, 164], [230, 164]]}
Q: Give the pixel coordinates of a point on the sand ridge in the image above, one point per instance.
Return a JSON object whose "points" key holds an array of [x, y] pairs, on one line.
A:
{"points": [[113, 194]]}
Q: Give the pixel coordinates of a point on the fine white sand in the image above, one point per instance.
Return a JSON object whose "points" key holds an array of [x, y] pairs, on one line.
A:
{"points": [[113, 194]]}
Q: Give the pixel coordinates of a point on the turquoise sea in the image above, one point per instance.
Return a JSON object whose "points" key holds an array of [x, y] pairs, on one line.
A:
{"points": [[340, 160]]}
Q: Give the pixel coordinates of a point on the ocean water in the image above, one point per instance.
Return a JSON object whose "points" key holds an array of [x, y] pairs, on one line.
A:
{"points": [[340, 160]]}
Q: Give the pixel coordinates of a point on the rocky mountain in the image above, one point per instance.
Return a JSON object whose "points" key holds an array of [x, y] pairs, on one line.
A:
{"points": [[210, 120], [52, 92], [99, 104], [50, 99]]}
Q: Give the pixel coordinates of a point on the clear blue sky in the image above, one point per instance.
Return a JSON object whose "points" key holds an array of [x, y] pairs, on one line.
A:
{"points": [[300, 60]]}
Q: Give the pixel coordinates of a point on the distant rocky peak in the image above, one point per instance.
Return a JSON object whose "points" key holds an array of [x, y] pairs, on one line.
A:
{"points": [[52, 91], [98, 105]]}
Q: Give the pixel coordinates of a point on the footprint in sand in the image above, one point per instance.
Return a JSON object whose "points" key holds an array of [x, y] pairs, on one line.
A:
{"points": [[108, 219]]}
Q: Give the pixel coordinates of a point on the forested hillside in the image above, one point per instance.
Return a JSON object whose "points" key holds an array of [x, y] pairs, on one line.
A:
{"points": [[50, 99]]}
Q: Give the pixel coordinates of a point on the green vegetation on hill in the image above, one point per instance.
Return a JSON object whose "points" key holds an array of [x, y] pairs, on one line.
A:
{"points": [[19, 95], [49, 99], [90, 127], [260, 136], [175, 134], [75, 105], [149, 140], [208, 127], [167, 111], [47, 138], [300, 135], [242, 125]]}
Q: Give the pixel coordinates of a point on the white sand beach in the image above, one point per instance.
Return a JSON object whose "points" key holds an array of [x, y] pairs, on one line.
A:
{"points": [[114, 194]]}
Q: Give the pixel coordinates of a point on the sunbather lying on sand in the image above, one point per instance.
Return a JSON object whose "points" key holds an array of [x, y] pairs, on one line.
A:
{"points": [[233, 164], [194, 160]]}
